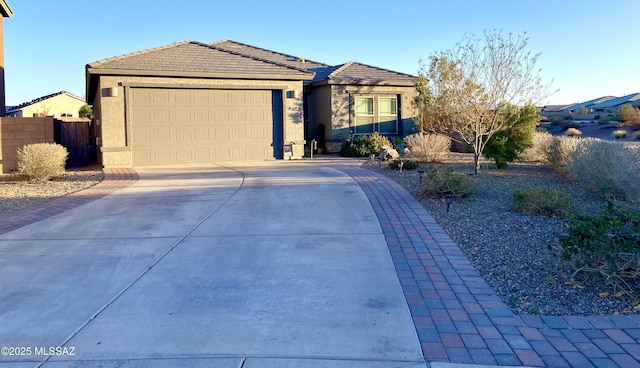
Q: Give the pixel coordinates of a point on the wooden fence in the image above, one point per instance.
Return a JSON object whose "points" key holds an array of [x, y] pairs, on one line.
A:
{"points": [[75, 136]]}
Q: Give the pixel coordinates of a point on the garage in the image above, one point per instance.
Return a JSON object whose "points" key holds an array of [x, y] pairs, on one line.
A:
{"points": [[174, 126], [194, 103]]}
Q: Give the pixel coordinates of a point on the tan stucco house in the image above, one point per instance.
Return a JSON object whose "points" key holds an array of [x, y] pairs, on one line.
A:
{"points": [[191, 102], [59, 105], [6, 13]]}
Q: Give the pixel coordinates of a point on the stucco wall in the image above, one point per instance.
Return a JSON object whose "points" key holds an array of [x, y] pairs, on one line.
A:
{"points": [[110, 110], [17, 132], [54, 106], [342, 115]]}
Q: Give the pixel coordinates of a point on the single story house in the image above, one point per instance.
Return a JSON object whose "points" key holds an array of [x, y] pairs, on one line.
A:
{"points": [[59, 105], [613, 105], [573, 108], [191, 102]]}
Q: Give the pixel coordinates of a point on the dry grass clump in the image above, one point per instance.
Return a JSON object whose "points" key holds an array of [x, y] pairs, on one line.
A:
{"points": [[619, 133], [543, 201], [445, 180], [573, 132], [539, 151], [607, 167], [40, 162], [559, 154], [426, 147]]}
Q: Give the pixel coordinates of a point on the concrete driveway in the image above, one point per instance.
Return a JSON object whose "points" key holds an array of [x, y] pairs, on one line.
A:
{"points": [[277, 264]]}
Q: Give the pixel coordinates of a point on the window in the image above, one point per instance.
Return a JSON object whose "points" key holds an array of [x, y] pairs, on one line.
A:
{"points": [[376, 114], [388, 114], [364, 115], [66, 115]]}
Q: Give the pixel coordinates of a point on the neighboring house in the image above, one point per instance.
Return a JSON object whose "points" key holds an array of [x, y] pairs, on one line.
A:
{"points": [[573, 108], [59, 105], [613, 105], [190, 102], [6, 13]]}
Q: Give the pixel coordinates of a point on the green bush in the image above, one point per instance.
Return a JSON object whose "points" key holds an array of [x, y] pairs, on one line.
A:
{"points": [[40, 162], [572, 124], [607, 167], [364, 145], [607, 244], [505, 146], [542, 201], [556, 120], [559, 155], [603, 120], [442, 181], [408, 165], [428, 147]]}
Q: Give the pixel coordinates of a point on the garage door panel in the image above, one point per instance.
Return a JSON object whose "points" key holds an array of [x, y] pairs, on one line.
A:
{"points": [[184, 154], [198, 125]]}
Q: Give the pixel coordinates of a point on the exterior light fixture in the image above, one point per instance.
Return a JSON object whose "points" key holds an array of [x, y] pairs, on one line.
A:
{"points": [[449, 199]]}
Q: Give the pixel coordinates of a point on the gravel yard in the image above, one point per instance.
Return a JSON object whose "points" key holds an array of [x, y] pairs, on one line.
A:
{"points": [[513, 250], [17, 194]]}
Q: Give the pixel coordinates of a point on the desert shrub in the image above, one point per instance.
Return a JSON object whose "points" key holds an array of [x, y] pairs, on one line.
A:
{"points": [[364, 145], [556, 120], [408, 165], [603, 120], [606, 167], [40, 162], [559, 154], [619, 133], [539, 151], [573, 132], [428, 147], [572, 124], [607, 245], [542, 201], [506, 145], [445, 180]]}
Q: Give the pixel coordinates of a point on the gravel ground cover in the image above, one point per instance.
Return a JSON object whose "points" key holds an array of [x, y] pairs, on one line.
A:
{"points": [[516, 252], [16, 193]]}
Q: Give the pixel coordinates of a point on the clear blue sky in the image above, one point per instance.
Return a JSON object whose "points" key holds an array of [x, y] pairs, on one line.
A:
{"points": [[589, 48]]}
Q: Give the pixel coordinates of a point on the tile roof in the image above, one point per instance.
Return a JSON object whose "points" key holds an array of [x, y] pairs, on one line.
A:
{"points": [[633, 99], [350, 71], [294, 61], [43, 98], [358, 72], [196, 57]]}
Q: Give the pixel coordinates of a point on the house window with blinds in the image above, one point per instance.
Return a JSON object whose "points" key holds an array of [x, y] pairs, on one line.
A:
{"points": [[376, 114]]}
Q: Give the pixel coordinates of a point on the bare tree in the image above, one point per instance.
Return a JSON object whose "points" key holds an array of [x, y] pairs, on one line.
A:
{"points": [[466, 92]]}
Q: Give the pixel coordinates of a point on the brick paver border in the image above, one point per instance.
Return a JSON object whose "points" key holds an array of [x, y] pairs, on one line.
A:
{"points": [[459, 318], [114, 179]]}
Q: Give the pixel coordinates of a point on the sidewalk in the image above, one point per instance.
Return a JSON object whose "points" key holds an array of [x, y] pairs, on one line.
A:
{"points": [[458, 317]]}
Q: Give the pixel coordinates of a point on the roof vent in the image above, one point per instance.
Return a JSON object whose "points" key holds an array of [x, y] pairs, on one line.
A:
{"points": [[302, 60]]}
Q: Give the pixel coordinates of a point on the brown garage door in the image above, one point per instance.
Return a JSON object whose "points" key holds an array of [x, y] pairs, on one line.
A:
{"points": [[174, 126]]}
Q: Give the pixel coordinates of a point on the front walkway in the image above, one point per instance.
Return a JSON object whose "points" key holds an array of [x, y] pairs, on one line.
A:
{"points": [[458, 317]]}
